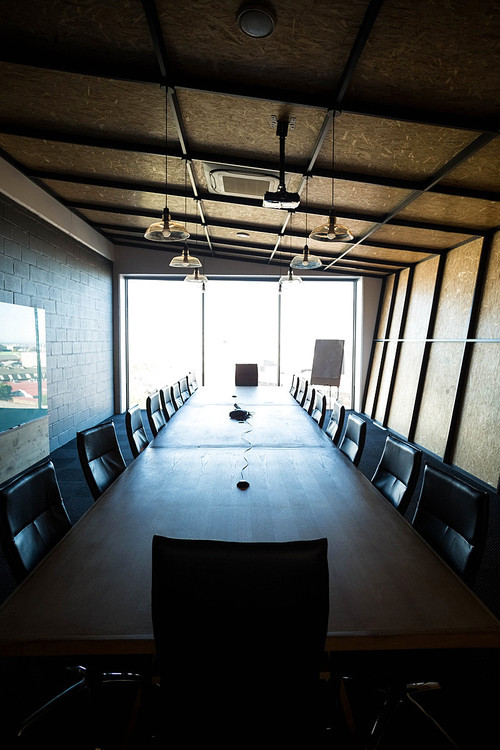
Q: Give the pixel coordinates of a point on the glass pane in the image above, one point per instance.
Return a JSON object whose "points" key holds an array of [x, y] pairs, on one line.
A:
{"points": [[316, 310], [164, 334], [241, 325]]}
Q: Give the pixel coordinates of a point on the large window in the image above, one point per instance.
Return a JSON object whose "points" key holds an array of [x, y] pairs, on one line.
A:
{"points": [[175, 327]]}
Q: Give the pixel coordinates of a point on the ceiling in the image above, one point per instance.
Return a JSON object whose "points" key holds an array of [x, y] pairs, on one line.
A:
{"points": [[414, 86]]}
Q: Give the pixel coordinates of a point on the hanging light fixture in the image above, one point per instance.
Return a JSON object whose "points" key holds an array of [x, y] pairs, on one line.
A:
{"points": [[289, 278], [185, 260], [166, 230], [196, 277], [332, 232], [306, 260]]}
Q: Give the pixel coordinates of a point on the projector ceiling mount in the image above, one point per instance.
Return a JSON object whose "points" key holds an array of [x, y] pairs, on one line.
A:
{"points": [[281, 198]]}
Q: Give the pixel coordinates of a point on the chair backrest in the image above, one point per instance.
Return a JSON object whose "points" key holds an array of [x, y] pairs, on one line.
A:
{"points": [[353, 439], [317, 410], [175, 395], [100, 456], [136, 433], [184, 389], [167, 405], [33, 518], [154, 411], [334, 428], [308, 399], [397, 472], [301, 390], [294, 385], [266, 602], [192, 383], [452, 516], [246, 374]]}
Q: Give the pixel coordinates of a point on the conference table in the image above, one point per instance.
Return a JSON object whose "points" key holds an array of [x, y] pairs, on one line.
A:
{"points": [[388, 589]]}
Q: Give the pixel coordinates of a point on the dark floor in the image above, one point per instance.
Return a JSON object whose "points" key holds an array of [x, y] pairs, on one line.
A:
{"points": [[78, 500]]}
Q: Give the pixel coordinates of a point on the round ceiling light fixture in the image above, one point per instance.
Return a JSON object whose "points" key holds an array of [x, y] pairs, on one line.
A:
{"points": [[256, 20]]}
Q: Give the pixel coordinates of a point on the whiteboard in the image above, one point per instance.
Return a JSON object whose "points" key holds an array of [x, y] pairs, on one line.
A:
{"points": [[327, 363]]}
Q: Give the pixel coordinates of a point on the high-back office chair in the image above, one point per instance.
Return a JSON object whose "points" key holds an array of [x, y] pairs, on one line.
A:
{"points": [[167, 405], [452, 516], [317, 410], [353, 439], [334, 428], [184, 389], [175, 393], [192, 383], [268, 604], [136, 433], [308, 399], [294, 385], [397, 472], [301, 390], [100, 456], [154, 411], [33, 518], [246, 374]]}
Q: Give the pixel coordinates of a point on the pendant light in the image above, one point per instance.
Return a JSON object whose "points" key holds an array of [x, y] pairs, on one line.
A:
{"points": [[332, 232], [305, 261], [196, 277], [166, 230], [185, 260], [289, 278]]}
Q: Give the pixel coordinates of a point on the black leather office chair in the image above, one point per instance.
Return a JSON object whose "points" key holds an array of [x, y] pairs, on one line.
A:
{"points": [[192, 383], [175, 393], [397, 472], [452, 516], [167, 405], [308, 400], [246, 374], [33, 518], [100, 456], [184, 389], [154, 411], [317, 410], [294, 386], [239, 631], [353, 439], [334, 428], [301, 391], [136, 433]]}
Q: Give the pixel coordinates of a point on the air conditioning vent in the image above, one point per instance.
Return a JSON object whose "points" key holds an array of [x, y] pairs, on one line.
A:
{"points": [[242, 183]]}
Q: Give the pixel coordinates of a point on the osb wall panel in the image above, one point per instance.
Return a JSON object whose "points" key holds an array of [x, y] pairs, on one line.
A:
{"points": [[23, 446], [386, 381], [438, 396], [489, 316], [399, 304], [476, 450], [386, 303], [422, 293], [374, 372], [456, 291], [405, 386]]}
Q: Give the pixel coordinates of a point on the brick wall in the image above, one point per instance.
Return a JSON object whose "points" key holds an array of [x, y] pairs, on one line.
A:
{"points": [[41, 266]]}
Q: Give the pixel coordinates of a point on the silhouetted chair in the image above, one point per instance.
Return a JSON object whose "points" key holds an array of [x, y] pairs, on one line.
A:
{"points": [[353, 439], [262, 605], [154, 411], [301, 390], [100, 456], [397, 472], [246, 374], [294, 386], [192, 383], [308, 399], [317, 410], [167, 405], [452, 516], [334, 428], [136, 433], [175, 393], [33, 518], [184, 389]]}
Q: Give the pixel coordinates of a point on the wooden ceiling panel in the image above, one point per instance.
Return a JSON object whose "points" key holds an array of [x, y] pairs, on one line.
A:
{"points": [[423, 238], [391, 148], [481, 171], [354, 196], [432, 55], [453, 209], [404, 257], [267, 218]]}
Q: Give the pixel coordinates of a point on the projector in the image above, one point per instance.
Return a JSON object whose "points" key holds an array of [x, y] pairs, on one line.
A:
{"points": [[281, 199]]}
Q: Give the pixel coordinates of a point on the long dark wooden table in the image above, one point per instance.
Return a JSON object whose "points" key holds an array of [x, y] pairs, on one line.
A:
{"points": [[388, 589]]}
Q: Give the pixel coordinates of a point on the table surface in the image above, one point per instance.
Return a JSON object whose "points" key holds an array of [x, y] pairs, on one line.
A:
{"points": [[388, 589]]}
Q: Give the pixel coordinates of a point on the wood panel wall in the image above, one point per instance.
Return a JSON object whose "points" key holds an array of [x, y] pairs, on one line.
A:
{"points": [[435, 365]]}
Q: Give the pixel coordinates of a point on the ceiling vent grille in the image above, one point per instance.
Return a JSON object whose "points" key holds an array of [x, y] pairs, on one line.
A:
{"points": [[241, 183]]}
